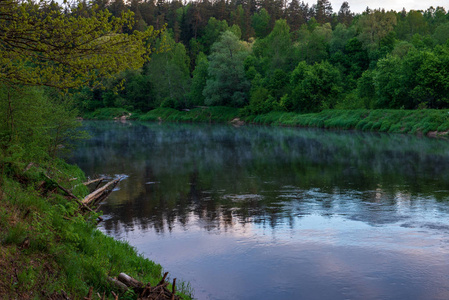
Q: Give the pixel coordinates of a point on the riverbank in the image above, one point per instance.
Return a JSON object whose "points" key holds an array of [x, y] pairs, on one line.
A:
{"points": [[49, 250], [432, 122], [429, 122]]}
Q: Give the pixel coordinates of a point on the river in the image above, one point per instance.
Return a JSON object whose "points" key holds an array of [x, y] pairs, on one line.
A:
{"points": [[258, 212]]}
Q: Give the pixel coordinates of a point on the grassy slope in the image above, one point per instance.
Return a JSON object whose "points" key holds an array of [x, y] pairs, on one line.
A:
{"points": [[47, 247], [395, 121]]}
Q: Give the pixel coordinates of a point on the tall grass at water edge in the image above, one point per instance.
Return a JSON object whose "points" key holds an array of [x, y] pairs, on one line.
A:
{"points": [[383, 120]]}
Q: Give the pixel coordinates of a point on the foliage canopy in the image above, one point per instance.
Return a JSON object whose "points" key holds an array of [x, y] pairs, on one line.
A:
{"points": [[42, 44]]}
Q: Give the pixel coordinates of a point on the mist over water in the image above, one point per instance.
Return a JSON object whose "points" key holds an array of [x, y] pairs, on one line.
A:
{"points": [[279, 213]]}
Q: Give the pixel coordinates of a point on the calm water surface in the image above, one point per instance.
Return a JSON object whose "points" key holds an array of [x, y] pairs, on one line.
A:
{"points": [[279, 213]]}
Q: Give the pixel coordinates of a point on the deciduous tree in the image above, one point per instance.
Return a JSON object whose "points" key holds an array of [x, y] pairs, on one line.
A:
{"points": [[375, 26], [227, 85], [169, 74], [314, 87], [66, 49]]}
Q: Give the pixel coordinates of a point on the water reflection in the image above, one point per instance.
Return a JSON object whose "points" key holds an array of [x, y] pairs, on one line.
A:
{"points": [[258, 174], [295, 213]]}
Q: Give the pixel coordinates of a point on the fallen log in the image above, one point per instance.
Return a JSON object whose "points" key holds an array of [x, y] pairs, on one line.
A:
{"points": [[129, 281], [98, 193], [93, 181], [118, 284], [146, 292]]}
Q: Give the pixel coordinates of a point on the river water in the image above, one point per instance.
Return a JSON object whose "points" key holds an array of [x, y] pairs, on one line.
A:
{"points": [[279, 213]]}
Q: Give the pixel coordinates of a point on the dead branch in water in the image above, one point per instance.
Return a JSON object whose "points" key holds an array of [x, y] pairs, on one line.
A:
{"points": [[96, 196], [101, 193], [94, 180]]}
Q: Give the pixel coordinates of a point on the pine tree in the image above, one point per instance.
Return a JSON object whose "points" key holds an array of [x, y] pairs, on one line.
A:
{"points": [[323, 11]]}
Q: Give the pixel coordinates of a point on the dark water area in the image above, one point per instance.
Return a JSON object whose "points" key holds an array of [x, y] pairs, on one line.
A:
{"points": [[279, 213]]}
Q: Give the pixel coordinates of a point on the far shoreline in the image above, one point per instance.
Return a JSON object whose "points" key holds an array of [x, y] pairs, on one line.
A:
{"points": [[425, 122]]}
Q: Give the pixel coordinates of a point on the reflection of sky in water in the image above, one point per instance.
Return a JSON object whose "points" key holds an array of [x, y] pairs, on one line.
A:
{"points": [[354, 250], [280, 213], [318, 257]]}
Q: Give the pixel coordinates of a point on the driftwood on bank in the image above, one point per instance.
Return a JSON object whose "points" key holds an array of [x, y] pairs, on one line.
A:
{"points": [[146, 292]]}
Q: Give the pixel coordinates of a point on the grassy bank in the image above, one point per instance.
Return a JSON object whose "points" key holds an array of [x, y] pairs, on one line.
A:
{"points": [[426, 121], [109, 113], [48, 249]]}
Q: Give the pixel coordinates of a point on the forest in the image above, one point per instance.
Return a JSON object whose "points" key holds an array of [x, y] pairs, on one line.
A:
{"points": [[59, 61], [272, 55]]}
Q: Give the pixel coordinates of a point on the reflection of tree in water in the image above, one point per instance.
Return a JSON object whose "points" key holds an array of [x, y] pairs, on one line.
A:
{"points": [[217, 176]]}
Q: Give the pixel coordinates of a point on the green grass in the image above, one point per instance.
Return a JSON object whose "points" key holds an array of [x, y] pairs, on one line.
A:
{"points": [[382, 120], [109, 113], [213, 114], [47, 246]]}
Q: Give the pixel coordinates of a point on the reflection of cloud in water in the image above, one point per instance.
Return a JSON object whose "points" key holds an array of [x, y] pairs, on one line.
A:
{"points": [[217, 210], [313, 229], [322, 258]]}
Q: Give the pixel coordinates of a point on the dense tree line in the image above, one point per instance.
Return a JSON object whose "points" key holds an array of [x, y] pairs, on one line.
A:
{"points": [[275, 55]]}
